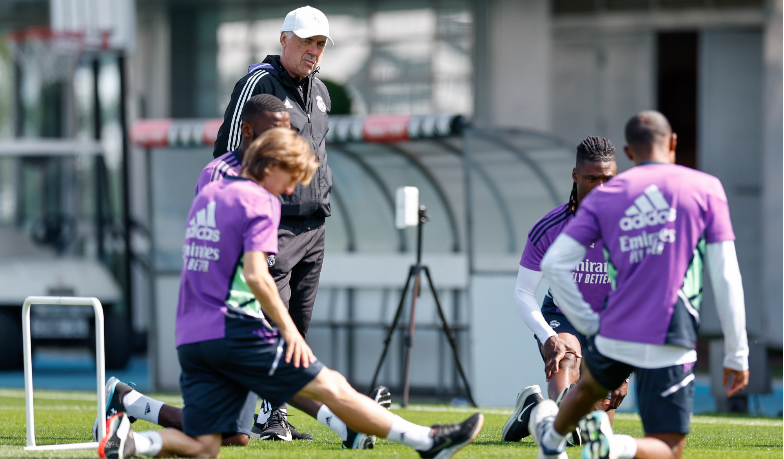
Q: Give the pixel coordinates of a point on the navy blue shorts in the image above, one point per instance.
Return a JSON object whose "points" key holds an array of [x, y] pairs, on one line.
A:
{"points": [[218, 375], [665, 396], [560, 324]]}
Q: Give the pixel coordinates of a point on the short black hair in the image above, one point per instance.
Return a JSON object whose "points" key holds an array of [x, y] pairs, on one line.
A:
{"points": [[596, 150], [647, 128], [257, 105]]}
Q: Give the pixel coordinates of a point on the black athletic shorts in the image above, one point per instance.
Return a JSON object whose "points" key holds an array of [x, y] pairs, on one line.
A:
{"points": [[665, 396], [560, 324], [217, 376]]}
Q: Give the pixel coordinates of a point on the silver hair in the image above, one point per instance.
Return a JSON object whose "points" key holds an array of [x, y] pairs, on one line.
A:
{"points": [[289, 34]]}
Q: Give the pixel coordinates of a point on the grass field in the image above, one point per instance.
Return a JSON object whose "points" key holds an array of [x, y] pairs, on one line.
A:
{"points": [[67, 417]]}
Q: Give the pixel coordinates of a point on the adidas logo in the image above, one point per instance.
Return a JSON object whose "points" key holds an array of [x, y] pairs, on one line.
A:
{"points": [[649, 209], [328, 420], [147, 409], [287, 103], [202, 226]]}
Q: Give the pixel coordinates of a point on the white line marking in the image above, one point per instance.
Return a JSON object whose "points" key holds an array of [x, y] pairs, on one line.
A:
{"points": [[174, 400], [177, 401], [625, 416], [51, 408]]}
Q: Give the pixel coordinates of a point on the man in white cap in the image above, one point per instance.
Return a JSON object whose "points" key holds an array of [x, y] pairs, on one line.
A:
{"points": [[296, 267]]}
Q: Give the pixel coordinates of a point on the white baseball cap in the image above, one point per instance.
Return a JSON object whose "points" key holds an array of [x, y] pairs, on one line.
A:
{"points": [[306, 22]]}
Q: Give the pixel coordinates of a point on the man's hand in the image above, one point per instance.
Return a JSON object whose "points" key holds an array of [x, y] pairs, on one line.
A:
{"points": [[617, 396], [740, 379], [555, 349], [297, 349]]}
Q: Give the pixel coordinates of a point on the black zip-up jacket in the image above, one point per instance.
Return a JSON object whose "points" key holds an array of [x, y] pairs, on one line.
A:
{"points": [[309, 106]]}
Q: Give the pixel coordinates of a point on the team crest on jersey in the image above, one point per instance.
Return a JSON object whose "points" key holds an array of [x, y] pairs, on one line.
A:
{"points": [[287, 103], [271, 260], [321, 105]]}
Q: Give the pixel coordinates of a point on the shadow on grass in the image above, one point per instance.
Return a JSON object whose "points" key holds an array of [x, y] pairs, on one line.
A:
{"points": [[504, 443]]}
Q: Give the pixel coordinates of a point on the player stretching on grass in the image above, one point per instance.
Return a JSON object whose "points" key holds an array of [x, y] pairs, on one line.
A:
{"points": [[226, 346], [296, 268], [260, 113], [560, 345], [658, 223]]}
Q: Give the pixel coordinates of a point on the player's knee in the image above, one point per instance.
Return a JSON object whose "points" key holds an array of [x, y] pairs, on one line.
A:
{"points": [[570, 363], [676, 442], [602, 405], [207, 450], [241, 440], [334, 385]]}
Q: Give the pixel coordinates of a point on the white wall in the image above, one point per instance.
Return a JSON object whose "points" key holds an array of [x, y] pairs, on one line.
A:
{"points": [[601, 79], [150, 65], [165, 374], [504, 352], [513, 66], [729, 142], [376, 280], [772, 153]]}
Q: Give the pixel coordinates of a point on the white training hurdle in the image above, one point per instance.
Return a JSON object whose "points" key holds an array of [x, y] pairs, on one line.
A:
{"points": [[28, 367]]}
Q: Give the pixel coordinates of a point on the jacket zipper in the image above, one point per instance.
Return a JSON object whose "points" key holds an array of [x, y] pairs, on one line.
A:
{"points": [[307, 108]]}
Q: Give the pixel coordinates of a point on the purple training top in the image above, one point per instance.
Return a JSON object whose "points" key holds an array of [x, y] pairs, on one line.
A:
{"points": [[228, 164], [590, 275], [654, 221], [228, 218]]}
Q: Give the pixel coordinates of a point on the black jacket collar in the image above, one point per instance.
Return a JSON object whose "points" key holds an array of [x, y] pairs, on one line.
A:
{"points": [[283, 75]]}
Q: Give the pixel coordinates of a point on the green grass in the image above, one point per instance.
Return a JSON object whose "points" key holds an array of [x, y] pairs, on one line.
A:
{"points": [[66, 417]]}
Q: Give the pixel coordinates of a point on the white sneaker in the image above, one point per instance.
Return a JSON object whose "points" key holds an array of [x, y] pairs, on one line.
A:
{"points": [[542, 418], [598, 432]]}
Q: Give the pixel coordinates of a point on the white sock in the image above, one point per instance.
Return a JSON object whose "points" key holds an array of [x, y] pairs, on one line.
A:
{"points": [[142, 407], [552, 440], [264, 412], [624, 446], [148, 443], [326, 417], [410, 434]]}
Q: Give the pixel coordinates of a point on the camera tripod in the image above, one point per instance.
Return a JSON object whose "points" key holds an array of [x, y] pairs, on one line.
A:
{"points": [[415, 272]]}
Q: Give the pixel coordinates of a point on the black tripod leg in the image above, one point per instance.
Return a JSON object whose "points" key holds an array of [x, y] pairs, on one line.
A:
{"points": [[391, 330], [450, 336]]}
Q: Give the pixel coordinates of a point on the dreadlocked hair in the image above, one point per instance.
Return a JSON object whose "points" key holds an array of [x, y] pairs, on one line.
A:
{"points": [[591, 149], [595, 150], [573, 198]]}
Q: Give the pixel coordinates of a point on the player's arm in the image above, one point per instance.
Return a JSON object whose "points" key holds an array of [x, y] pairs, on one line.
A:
{"points": [[728, 288], [263, 287], [554, 348], [528, 282], [557, 265]]}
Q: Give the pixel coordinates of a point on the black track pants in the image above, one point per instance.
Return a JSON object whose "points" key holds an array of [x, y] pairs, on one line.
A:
{"points": [[296, 270]]}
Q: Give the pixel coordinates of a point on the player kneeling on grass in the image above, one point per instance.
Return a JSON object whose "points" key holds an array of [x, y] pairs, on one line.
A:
{"points": [[659, 224], [225, 343], [259, 114], [559, 343], [122, 397]]}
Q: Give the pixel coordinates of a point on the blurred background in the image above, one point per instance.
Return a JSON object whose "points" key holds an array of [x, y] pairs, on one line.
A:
{"points": [[108, 111]]}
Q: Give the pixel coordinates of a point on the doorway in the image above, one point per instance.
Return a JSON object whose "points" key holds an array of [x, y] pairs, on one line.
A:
{"points": [[677, 90]]}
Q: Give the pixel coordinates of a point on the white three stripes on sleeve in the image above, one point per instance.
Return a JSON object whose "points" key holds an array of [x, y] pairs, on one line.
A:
{"points": [[234, 129]]}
